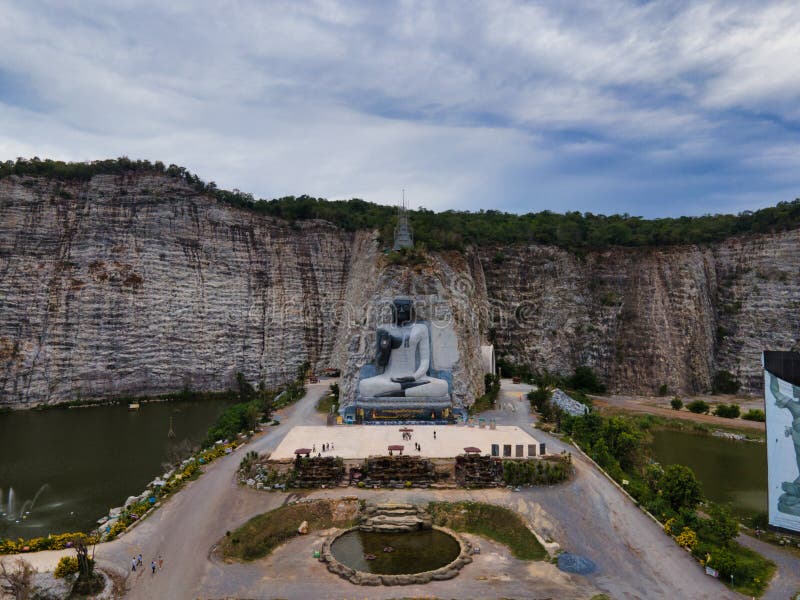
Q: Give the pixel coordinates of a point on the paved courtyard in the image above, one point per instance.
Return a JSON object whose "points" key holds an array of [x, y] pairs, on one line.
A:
{"points": [[359, 441]]}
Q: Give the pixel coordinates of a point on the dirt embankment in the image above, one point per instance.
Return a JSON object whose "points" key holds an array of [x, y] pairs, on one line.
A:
{"points": [[649, 406]]}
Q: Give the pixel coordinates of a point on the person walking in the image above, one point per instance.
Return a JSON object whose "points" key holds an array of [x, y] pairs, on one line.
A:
{"points": [[434, 434], [139, 561], [133, 564], [160, 562], [153, 566]]}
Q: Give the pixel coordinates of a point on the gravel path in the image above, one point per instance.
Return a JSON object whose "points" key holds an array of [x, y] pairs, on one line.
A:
{"points": [[591, 517], [184, 530], [786, 581]]}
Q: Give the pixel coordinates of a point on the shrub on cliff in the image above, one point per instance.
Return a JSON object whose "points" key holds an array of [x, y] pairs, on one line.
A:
{"points": [[724, 383], [676, 403], [585, 380], [510, 369]]}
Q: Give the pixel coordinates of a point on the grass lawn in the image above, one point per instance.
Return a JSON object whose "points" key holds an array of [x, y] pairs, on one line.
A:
{"points": [[262, 534], [494, 522], [481, 404], [325, 403], [652, 421], [759, 571]]}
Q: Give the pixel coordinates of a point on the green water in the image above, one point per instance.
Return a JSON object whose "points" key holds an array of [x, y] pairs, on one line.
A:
{"points": [[411, 552], [83, 461], [731, 472]]}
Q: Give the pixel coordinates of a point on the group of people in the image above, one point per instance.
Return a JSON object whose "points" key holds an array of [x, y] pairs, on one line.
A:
{"points": [[136, 561], [325, 448]]}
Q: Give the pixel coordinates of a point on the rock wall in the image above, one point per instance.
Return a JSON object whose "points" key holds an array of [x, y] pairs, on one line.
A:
{"points": [[647, 317], [129, 285], [139, 285]]}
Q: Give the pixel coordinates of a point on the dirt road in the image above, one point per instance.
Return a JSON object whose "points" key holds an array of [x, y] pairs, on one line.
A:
{"points": [[184, 530], [640, 406]]}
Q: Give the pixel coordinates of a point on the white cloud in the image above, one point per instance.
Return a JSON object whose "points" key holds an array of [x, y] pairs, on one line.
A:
{"points": [[450, 99]]}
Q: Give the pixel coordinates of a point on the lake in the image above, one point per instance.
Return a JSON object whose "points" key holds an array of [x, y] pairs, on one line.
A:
{"points": [[78, 463], [731, 472]]}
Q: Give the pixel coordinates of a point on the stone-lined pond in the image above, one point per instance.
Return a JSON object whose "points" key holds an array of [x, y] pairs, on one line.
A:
{"points": [[412, 552], [78, 463], [731, 471]]}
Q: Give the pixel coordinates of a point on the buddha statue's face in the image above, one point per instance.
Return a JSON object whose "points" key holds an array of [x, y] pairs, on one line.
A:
{"points": [[403, 311]]}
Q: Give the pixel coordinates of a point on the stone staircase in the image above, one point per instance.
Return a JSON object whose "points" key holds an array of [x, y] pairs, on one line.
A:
{"points": [[393, 517]]}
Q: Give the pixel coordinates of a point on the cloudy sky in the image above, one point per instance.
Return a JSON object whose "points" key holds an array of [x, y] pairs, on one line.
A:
{"points": [[650, 108]]}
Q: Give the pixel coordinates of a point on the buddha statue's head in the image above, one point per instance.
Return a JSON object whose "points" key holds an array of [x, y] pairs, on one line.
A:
{"points": [[403, 310]]}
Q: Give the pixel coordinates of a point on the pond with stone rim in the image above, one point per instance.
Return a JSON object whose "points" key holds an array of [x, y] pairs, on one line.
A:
{"points": [[411, 552]]}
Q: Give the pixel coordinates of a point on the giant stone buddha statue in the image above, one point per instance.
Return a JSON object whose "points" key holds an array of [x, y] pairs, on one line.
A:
{"points": [[404, 356]]}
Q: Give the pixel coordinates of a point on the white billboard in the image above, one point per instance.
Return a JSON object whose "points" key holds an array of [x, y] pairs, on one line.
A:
{"points": [[782, 401]]}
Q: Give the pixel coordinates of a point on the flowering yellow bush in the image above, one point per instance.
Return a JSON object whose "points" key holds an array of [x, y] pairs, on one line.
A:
{"points": [[668, 526], [116, 529], [66, 566], [51, 542], [687, 539], [217, 451]]}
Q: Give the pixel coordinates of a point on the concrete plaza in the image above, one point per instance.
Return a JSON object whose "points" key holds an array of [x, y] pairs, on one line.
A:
{"points": [[360, 441]]}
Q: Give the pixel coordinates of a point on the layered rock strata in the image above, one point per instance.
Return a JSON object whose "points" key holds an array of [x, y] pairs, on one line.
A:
{"points": [[138, 284], [643, 318]]}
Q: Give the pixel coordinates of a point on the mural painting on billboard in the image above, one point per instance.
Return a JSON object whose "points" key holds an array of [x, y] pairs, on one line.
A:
{"points": [[783, 451]]}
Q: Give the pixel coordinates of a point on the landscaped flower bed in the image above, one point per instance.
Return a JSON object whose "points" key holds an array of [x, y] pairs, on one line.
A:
{"points": [[51, 542]]}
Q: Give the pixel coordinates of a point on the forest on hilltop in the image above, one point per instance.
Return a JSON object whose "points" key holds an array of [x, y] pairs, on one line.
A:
{"points": [[451, 229]]}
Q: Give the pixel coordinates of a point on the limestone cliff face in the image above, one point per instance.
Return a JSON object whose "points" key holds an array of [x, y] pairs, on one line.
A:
{"points": [[647, 317], [140, 285]]}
